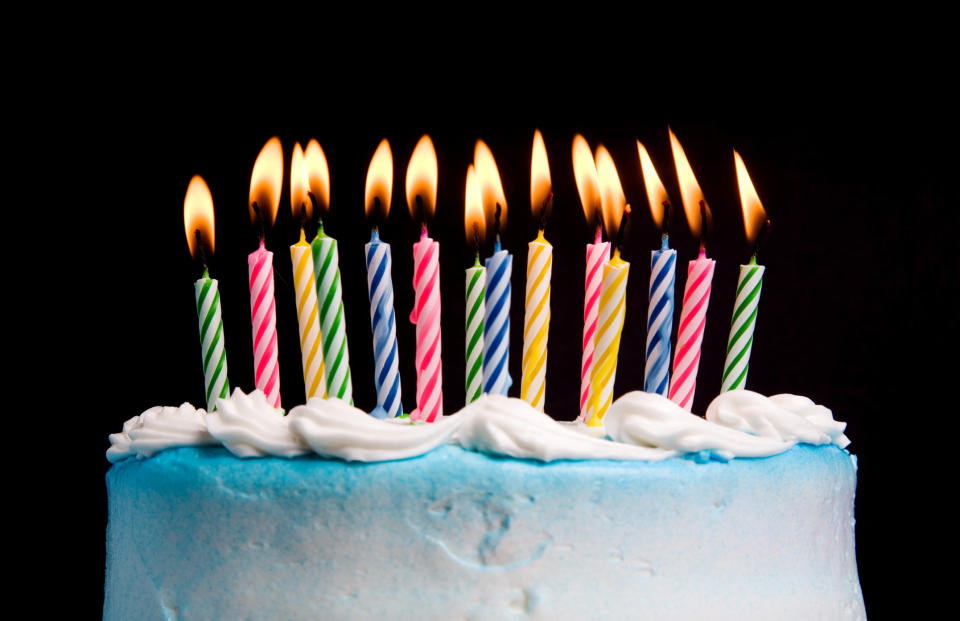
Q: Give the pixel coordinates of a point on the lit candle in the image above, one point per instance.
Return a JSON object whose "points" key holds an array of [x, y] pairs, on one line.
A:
{"points": [[326, 267], [198, 222], [383, 322], [585, 172], [301, 205], [696, 292], [421, 188], [536, 319], [613, 293], [265, 183], [496, 328], [663, 263], [748, 286], [475, 225]]}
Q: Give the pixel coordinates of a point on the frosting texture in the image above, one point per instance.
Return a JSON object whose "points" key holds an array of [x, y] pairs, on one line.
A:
{"points": [[159, 428], [640, 426]]}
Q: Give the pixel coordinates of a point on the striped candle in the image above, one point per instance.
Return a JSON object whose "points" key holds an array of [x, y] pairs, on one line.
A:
{"points": [[476, 278], [597, 254], [211, 340], [309, 322], [386, 374], [536, 322], [263, 316], [426, 315], [742, 325], [693, 318], [496, 328], [663, 262], [336, 358], [613, 305]]}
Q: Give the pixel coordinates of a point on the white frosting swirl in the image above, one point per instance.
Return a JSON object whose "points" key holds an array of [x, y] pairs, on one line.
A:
{"points": [[333, 428], [649, 419], [789, 418], [159, 428], [250, 427], [506, 426], [642, 426]]}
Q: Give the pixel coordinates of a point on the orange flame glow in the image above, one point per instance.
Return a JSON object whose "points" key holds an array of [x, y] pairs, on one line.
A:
{"points": [[318, 175], [540, 186], [300, 204], [473, 217], [266, 182], [491, 190], [689, 189], [656, 193], [585, 172], [611, 193], [198, 216], [379, 185], [422, 178], [754, 215]]}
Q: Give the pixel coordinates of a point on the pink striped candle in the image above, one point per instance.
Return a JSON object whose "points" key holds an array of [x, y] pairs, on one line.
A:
{"points": [[426, 316], [693, 318], [597, 253], [263, 315]]}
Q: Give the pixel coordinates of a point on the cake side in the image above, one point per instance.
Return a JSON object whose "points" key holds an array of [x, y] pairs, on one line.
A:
{"points": [[197, 533]]}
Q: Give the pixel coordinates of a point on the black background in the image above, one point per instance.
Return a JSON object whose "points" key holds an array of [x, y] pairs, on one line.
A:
{"points": [[856, 312]]}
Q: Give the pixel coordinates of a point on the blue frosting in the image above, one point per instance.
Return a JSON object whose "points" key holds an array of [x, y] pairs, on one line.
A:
{"points": [[199, 533]]}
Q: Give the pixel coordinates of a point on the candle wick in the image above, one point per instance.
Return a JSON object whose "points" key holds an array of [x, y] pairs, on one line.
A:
{"points": [[419, 210], [598, 235], [623, 227], [256, 210], [544, 209], [202, 249], [756, 244], [704, 225], [476, 240], [377, 210], [666, 218]]}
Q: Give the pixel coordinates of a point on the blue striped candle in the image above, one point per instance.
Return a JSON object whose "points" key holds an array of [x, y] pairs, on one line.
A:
{"points": [[386, 375], [496, 326], [656, 373]]}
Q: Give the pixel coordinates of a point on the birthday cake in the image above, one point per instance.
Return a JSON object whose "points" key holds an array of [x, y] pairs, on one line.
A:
{"points": [[494, 512]]}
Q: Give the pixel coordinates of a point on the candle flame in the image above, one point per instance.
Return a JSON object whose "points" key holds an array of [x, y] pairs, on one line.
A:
{"points": [[300, 204], [611, 193], [754, 215], [266, 182], [379, 185], [656, 193], [585, 172], [540, 186], [473, 216], [422, 178], [689, 189], [491, 190], [198, 216], [318, 176]]}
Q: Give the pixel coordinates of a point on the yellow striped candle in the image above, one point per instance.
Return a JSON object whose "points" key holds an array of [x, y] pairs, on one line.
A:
{"points": [[613, 304], [311, 353], [536, 322]]}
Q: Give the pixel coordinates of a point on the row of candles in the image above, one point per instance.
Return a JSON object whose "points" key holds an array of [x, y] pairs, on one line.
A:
{"points": [[321, 318]]}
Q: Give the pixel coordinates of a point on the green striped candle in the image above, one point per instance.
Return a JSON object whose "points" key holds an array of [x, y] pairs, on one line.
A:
{"points": [[211, 339], [333, 328], [476, 281], [742, 325]]}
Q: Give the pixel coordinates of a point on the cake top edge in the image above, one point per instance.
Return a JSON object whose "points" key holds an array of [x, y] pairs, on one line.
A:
{"points": [[639, 426]]}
